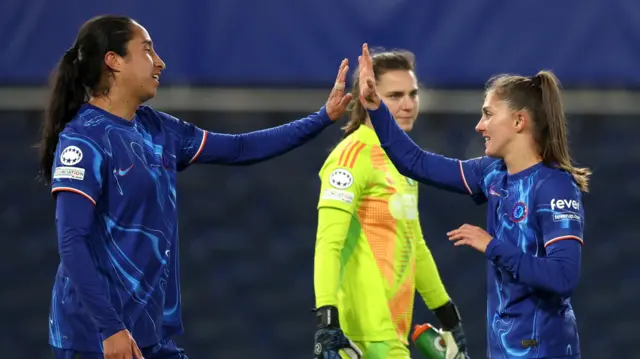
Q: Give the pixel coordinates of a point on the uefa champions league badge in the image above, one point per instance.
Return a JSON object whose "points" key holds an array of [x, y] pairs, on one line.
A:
{"points": [[519, 212]]}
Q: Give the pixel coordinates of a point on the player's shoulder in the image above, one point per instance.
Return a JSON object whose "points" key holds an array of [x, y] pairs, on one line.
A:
{"points": [[88, 121], [552, 179], [149, 116], [552, 175], [87, 128], [489, 168], [155, 119], [351, 153]]}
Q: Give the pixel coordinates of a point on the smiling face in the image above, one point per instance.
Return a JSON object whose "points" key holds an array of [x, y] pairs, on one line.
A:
{"points": [[499, 125], [139, 71], [399, 90]]}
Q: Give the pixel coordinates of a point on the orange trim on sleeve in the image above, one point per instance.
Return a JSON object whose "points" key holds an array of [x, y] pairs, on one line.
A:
{"points": [[561, 238], [202, 143], [69, 189], [464, 179]]}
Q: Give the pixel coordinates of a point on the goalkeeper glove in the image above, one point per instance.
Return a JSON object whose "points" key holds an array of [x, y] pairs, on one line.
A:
{"points": [[452, 332], [329, 338]]}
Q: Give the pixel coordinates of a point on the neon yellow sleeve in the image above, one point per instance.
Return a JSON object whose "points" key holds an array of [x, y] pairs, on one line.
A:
{"points": [[428, 282], [333, 225], [344, 178]]}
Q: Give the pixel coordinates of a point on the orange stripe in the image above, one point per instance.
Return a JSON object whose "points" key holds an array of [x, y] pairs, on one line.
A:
{"points": [[344, 150], [379, 227], [557, 239], [348, 153], [401, 307], [355, 155], [204, 140], [69, 189]]}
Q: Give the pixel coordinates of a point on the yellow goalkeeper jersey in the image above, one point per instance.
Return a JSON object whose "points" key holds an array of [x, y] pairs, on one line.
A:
{"points": [[370, 253]]}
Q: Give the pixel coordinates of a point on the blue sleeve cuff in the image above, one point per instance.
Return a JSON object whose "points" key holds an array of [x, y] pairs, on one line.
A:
{"points": [[108, 331], [324, 116], [490, 252]]}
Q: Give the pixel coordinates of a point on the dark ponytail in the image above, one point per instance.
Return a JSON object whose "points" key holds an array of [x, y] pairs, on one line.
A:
{"points": [[67, 95], [81, 73]]}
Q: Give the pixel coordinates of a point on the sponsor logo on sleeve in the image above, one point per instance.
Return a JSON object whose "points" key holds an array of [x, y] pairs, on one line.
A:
{"points": [[337, 195], [565, 204], [69, 173]]}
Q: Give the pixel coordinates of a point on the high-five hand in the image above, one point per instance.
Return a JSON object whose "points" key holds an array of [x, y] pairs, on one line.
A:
{"points": [[337, 103], [369, 96]]}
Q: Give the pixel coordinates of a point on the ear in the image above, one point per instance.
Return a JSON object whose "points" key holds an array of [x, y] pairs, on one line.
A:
{"points": [[521, 120], [113, 61]]}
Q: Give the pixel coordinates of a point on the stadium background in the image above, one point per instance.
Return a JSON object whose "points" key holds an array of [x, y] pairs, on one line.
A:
{"points": [[248, 233]]}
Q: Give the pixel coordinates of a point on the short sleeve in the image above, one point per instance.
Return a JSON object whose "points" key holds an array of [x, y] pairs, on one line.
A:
{"points": [[78, 166], [344, 177], [189, 139], [559, 210]]}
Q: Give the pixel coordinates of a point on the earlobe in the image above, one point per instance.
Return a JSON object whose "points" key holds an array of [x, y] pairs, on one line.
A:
{"points": [[519, 123], [112, 61]]}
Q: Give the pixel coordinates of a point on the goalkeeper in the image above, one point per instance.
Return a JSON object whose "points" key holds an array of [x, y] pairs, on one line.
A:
{"points": [[370, 256]]}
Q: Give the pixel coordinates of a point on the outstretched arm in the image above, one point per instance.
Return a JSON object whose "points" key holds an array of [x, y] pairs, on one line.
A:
{"points": [[407, 157], [258, 146], [198, 146], [423, 166]]}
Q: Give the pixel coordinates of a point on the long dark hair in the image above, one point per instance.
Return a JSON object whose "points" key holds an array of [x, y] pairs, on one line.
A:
{"points": [[540, 96], [79, 75]]}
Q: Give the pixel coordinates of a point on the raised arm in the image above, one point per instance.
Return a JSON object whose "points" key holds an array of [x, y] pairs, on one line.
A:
{"points": [[253, 147], [410, 160], [426, 167], [199, 146]]}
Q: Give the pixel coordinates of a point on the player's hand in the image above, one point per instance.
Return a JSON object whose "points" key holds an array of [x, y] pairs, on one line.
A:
{"points": [[121, 346], [369, 96], [337, 103], [329, 338], [472, 236], [455, 343]]}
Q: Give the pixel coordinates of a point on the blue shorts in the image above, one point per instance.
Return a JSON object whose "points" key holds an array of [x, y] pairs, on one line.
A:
{"points": [[166, 349]]}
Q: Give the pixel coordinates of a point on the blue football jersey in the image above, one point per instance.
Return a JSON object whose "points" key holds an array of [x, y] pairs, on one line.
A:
{"points": [[128, 170], [531, 210]]}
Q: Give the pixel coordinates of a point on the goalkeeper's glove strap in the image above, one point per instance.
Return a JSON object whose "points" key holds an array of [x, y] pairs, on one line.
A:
{"points": [[448, 316], [327, 317]]}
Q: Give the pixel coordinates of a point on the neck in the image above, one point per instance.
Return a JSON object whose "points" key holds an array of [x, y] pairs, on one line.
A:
{"points": [[116, 103], [518, 161]]}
